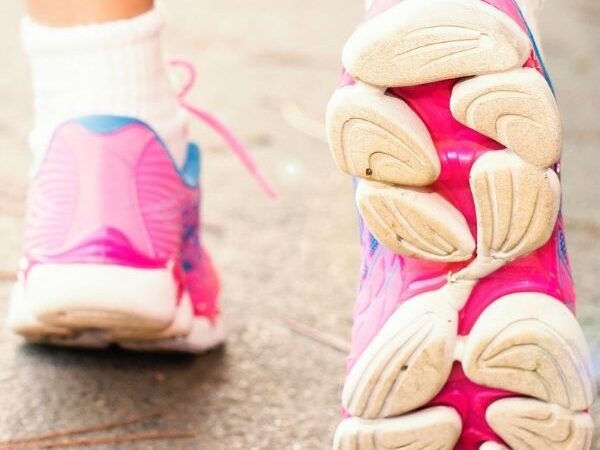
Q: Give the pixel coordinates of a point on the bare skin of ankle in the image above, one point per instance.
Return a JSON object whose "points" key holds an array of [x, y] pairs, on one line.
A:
{"points": [[65, 13]]}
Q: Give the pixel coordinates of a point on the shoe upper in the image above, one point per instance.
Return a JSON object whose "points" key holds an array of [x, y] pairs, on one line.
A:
{"points": [[108, 192]]}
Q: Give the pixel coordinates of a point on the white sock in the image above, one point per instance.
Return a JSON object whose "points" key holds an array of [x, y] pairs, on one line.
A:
{"points": [[112, 68]]}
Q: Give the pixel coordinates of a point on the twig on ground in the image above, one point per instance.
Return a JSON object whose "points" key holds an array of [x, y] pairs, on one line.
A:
{"points": [[93, 442], [316, 335], [77, 431], [584, 226]]}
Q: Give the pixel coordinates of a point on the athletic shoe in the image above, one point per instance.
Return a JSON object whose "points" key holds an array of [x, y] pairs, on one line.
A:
{"points": [[112, 241], [464, 334]]}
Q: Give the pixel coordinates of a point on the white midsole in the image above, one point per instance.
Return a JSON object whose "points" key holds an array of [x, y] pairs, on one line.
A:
{"points": [[181, 325], [145, 297], [22, 319], [184, 332]]}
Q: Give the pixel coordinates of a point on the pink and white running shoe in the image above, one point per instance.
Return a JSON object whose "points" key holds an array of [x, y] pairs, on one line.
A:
{"points": [[112, 242], [464, 335]]}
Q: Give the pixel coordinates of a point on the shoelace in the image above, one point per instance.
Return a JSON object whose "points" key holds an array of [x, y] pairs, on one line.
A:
{"points": [[236, 146]]}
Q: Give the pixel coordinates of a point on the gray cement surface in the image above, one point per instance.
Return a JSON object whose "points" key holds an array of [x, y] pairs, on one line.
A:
{"points": [[267, 67]]}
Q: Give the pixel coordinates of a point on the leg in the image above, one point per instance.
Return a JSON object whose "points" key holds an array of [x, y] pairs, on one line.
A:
{"points": [[66, 13]]}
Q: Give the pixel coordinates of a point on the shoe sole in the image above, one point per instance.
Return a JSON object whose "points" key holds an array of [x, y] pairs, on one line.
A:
{"points": [[537, 350], [94, 306], [437, 40]]}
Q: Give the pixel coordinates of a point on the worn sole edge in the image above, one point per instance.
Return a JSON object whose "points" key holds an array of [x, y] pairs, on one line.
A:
{"points": [[183, 333], [418, 346], [378, 137], [522, 423], [417, 42], [520, 329]]}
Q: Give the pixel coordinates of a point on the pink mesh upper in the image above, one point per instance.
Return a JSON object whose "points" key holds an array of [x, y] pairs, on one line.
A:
{"points": [[121, 186], [117, 198]]}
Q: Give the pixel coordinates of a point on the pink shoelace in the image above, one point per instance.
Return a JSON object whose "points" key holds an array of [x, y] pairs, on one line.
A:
{"points": [[236, 146]]}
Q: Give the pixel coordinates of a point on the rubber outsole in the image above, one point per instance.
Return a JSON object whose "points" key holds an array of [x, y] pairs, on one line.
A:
{"points": [[416, 223], [526, 343], [525, 424], [431, 429], [407, 363], [418, 42], [516, 108], [380, 138], [202, 337]]}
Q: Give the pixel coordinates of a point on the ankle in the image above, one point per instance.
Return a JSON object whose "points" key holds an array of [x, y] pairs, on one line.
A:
{"points": [[114, 68]]}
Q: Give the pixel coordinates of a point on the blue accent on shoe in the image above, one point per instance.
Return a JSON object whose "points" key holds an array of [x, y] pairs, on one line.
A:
{"points": [[373, 244], [536, 50], [190, 172], [106, 124]]}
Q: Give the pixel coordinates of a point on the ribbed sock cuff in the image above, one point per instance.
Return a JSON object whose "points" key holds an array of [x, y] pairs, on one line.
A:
{"points": [[39, 38]]}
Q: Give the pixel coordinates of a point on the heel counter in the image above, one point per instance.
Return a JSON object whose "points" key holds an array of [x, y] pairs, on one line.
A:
{"points": [[107, 191]]}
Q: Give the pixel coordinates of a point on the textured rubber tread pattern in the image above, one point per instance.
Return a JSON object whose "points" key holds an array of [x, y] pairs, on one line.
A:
{"points": [[378, 137], [529, 424], [418, 42], [431, 429], [516, 108], [415, 222], [528, 343], [407, 364], [517, 205], [531, 344]]}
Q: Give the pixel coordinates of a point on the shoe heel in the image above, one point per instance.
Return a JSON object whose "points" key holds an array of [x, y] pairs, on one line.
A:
{"points": [[92, 296], [103, 229]]}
